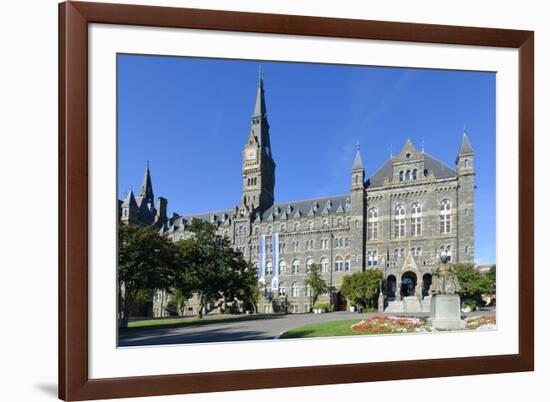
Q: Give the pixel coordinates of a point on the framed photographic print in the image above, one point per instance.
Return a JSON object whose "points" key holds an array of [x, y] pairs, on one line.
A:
{"points": [[259, 200]]}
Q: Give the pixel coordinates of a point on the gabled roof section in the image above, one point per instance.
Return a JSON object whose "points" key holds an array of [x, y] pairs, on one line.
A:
{"points": [[440, 170], [130, 200]]}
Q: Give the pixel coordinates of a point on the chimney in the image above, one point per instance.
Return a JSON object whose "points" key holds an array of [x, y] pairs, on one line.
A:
{"points": [[162, 204]]}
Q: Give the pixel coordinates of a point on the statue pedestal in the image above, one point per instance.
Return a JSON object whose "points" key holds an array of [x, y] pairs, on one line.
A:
{"points": [[445, 312]]}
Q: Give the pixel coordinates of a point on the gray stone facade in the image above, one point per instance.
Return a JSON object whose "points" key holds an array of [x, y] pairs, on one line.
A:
{"points": [[398, 220]]}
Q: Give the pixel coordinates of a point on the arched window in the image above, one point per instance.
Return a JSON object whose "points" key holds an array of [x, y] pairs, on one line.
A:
{"points": [[282, 289], [311, 225], [269, 229], [347, 264], [372, 224], [296, 226], [339, 222], [338, 265], [269, 268], [399, 221], [401, 176], [416, 219], [415, 174], [283, 227], [295, 290], [325, 223], [295, 266], [282, 267], [324, 264], [445, 217], [309, 263], [372, 258], [447, 250], [408, 175]]}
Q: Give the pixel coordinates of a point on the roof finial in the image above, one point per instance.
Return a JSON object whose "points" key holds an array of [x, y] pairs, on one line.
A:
{"points": [[391, 151], [358, 146], [261, 75], [422, 144], [147, 164]]}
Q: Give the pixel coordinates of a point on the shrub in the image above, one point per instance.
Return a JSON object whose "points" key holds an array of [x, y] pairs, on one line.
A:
{"points": [[322, 306]]}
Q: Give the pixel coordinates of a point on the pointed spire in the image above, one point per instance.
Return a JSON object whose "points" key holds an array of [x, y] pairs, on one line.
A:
{"points": [[259, 107], [357, 163], [146, 191], [465, 146]]}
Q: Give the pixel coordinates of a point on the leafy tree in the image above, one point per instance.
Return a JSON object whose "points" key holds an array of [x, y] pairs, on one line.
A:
{"points": [[146, 261], [492, 278], [316, 283], [361, 288], [473, 284], [177, 301], [208, 265]]}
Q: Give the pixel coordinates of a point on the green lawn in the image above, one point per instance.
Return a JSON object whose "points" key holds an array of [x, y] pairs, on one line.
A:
{"points": [[332, 328], [164, 323]]}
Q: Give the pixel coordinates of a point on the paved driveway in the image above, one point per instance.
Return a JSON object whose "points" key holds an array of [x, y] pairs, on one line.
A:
{"points": [[266, 328]]}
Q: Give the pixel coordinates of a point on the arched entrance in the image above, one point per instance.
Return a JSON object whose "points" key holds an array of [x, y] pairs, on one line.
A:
{"points": [[408, 284], [426, 284], [391, 284], [341, 302]]}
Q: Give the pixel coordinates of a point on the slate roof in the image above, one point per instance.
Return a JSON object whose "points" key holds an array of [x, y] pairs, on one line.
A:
{"points": [[313, 207], [465, 146], [441, 171]]}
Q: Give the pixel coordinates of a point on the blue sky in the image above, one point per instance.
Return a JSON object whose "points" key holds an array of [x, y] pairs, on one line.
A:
{"points": [[191, 117]]}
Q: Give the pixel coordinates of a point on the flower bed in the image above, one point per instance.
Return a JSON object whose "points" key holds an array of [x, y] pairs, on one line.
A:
{"points": [[481, 323], [391, 325]]}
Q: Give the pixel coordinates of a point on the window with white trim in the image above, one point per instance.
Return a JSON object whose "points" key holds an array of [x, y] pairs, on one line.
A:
{"points": [[324, 264], [399, 221], [372, 224], [445, 217], [416, 219]]}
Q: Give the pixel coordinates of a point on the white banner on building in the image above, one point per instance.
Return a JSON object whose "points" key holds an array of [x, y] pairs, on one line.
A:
{"points": [[275, 260], [261, 265]]}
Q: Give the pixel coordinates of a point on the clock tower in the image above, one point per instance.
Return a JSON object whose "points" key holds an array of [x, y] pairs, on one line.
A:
{"points": [[258, 164]]}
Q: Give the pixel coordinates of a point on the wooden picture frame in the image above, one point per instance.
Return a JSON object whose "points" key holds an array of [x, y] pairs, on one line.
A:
{"points": [[74, 381]]}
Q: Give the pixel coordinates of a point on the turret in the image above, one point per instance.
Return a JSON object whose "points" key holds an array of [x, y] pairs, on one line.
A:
{"points": [[357, 212], [465, 201]]}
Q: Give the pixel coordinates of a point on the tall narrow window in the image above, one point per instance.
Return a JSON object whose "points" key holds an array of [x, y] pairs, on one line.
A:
{"points": [[295, 266], [372, 224], [347, 264], [309, 263], [324, 264], [448, 251], [408, 175], [269, 268], [445, 217], [401, 176], [399, 221], [338, 265], [282, 289], [295, 290], [416, 219], [282, 268], [415, 174]]}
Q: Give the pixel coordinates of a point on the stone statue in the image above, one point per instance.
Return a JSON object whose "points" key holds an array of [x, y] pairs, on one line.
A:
{"points": [[444, 280]]}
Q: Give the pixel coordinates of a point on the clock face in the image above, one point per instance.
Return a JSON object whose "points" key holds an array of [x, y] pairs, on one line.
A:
{"points": [[251, 154]]}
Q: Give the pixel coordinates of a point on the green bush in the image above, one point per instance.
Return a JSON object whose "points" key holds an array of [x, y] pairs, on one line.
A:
{"points": [[322, 306]]}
